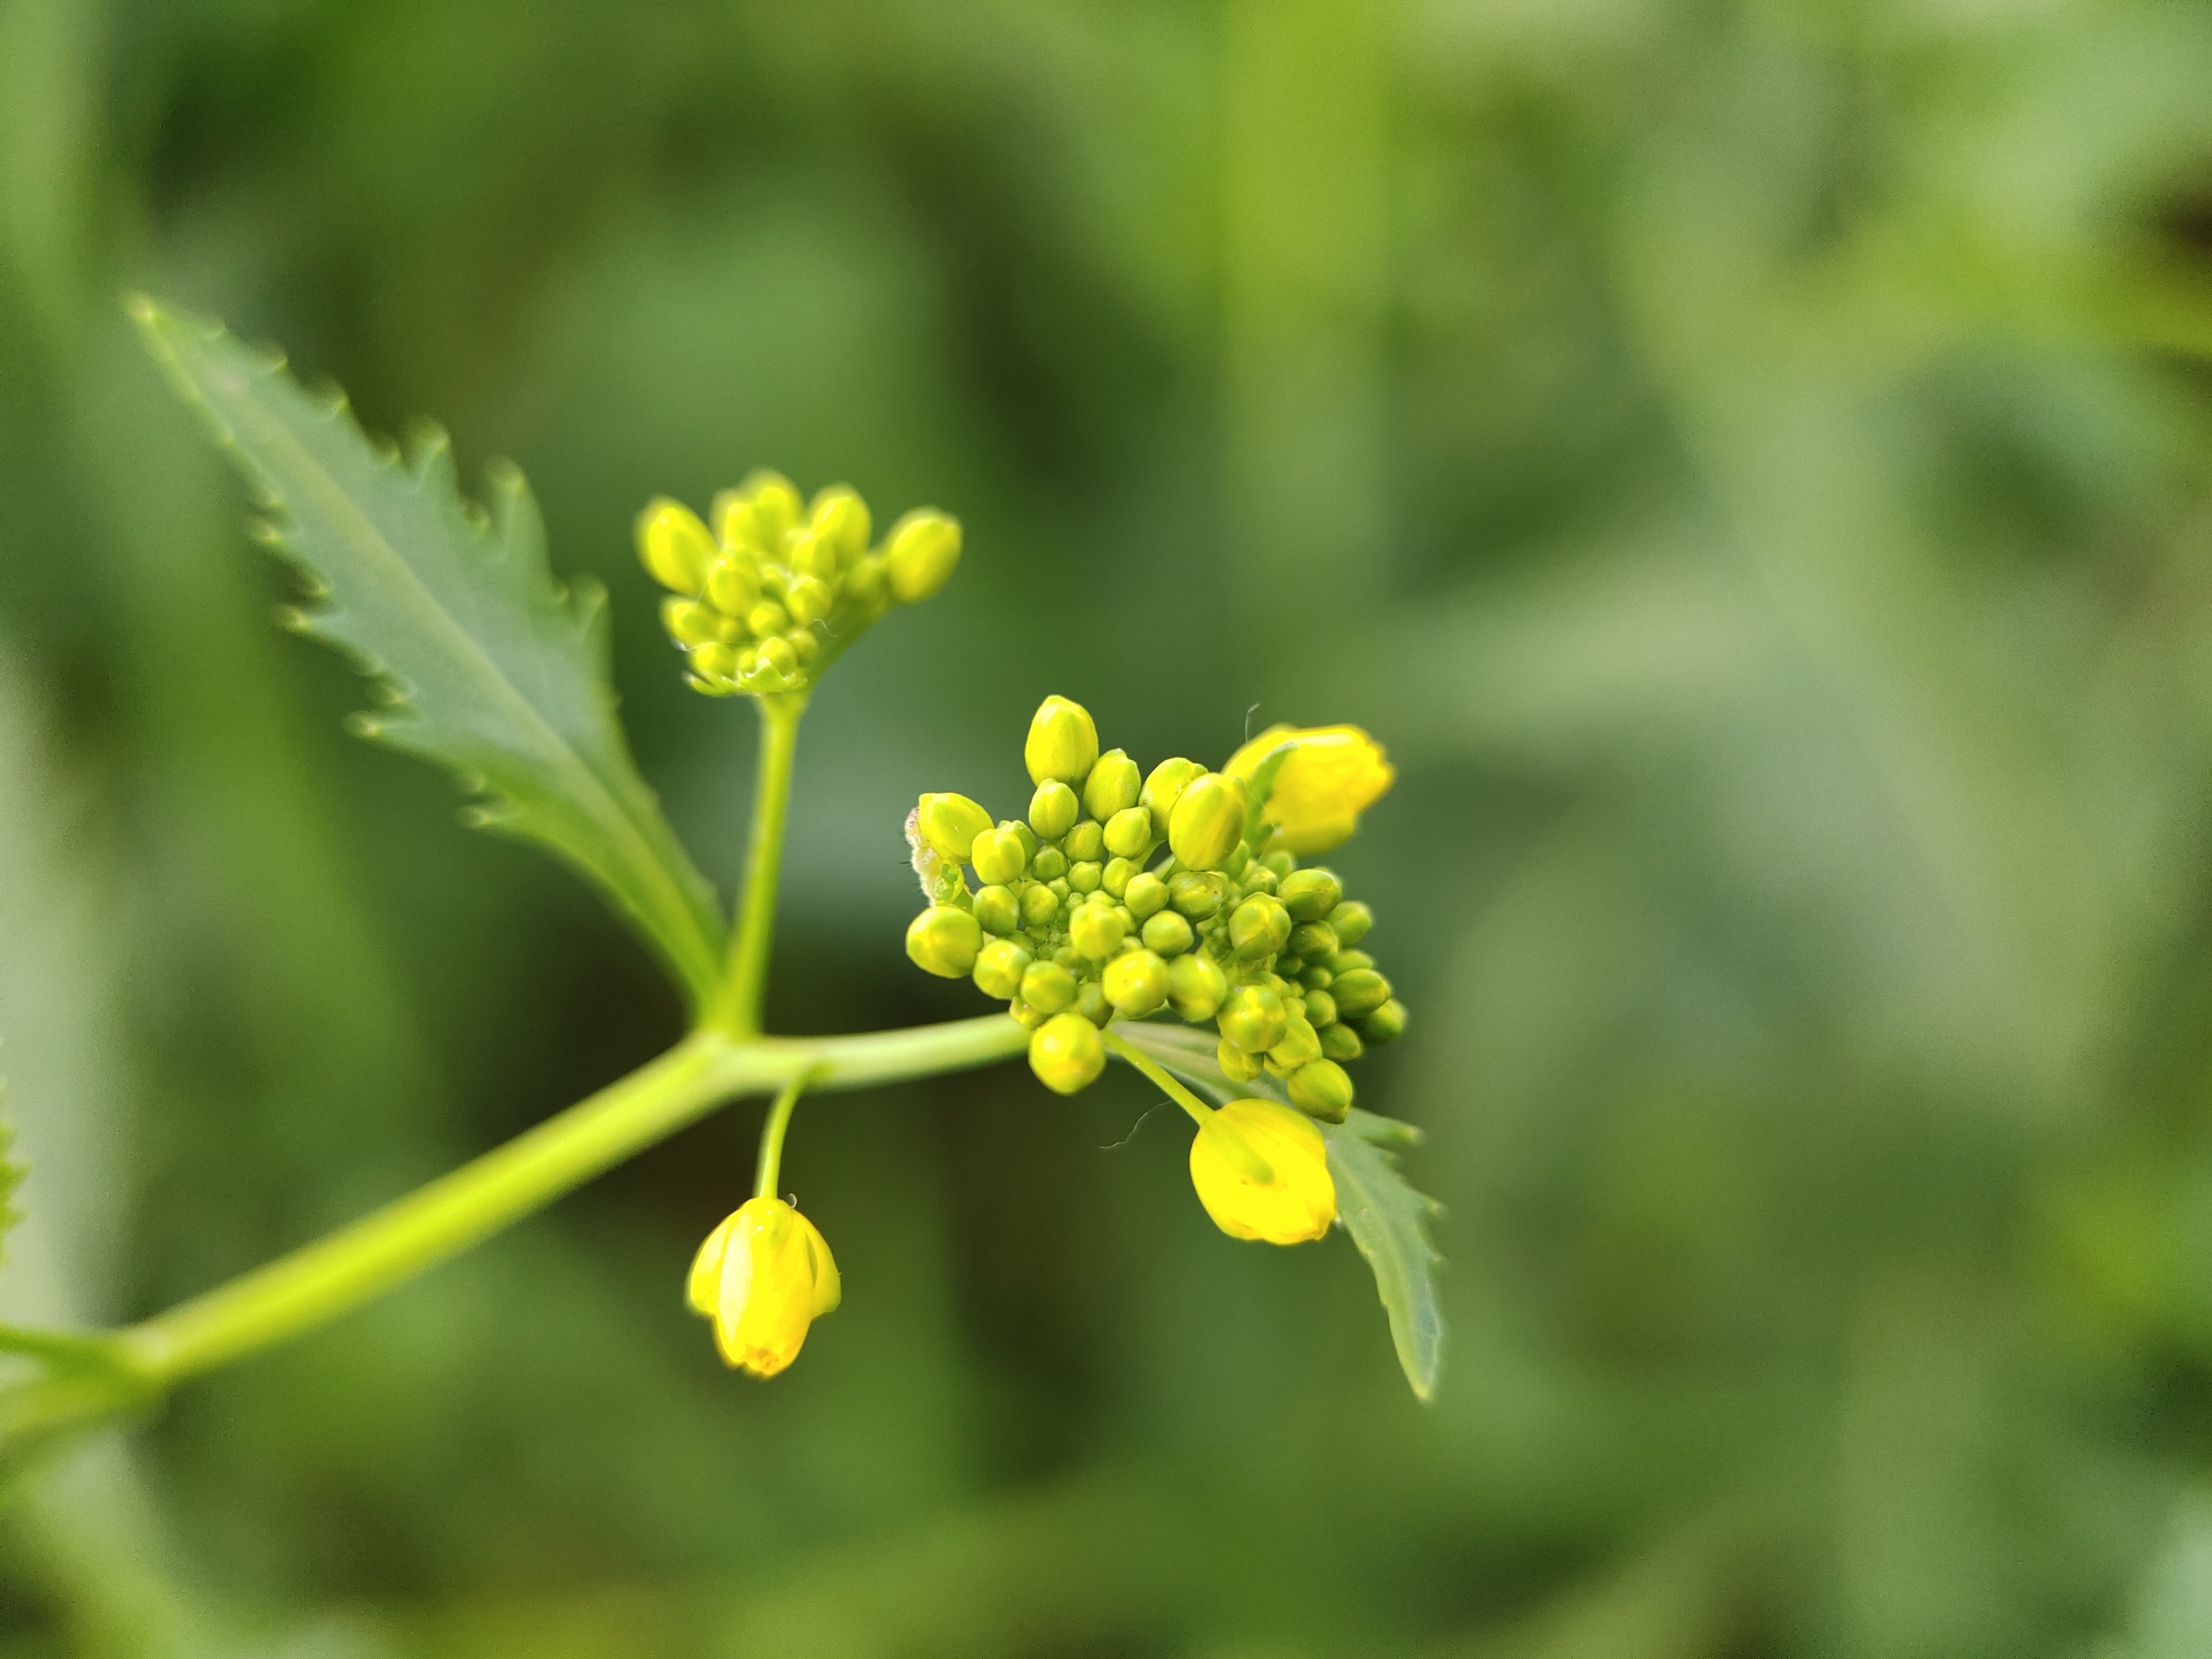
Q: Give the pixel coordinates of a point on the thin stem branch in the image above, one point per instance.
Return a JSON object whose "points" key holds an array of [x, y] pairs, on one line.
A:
{"points": [[772, 1134], [736, 1007]]}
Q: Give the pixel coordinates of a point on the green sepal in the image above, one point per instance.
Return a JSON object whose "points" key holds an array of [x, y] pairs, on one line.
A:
{"points": [[486, 665], [1386, 1218], [1260, 785]]}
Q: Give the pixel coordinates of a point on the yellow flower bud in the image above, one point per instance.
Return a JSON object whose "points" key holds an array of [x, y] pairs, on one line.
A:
{"points": [[1068, 1054], [674, 546], [1208, 822], [1298, 1200], [840, 517], [949, 824], [1136, 983], [764, 1276], [1333, 775], [1128, 832], [1063, 742], [732, 585], [690, 623], [1112, 786], [1165, 787], [735, 527], [943, 941], [1053, 810], [1322, 1089], [923, 549], [998, 855], [775, 507], [1196, 985]]}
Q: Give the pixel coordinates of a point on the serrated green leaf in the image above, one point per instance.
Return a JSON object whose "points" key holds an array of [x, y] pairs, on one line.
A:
{"points": [[1386, 1217], [486, 665]]}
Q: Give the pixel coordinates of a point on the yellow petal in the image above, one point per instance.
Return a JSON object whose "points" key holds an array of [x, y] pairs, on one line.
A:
{"points": [[1333, 775], [1295, 1205]]}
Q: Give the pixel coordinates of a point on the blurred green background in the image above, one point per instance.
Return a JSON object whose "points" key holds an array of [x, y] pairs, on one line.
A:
{"points": [[1751, 462]]}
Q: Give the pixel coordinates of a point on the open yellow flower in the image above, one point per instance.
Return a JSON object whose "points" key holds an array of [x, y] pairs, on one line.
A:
{"points": [[1333, 775], [1298, 1200], [764, 1276]]}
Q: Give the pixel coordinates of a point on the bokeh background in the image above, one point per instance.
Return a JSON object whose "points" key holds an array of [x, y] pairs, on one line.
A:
{"points": [[1751, 461]]}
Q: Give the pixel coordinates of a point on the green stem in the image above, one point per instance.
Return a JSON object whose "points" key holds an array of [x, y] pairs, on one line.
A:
{"points": [[346, 1268], [772, 1134], [736, 1007], [1240, 1151]]}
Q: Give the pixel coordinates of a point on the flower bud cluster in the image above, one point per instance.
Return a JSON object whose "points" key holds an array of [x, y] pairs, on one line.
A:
{"points": [[766, 599], [1128, 892]]}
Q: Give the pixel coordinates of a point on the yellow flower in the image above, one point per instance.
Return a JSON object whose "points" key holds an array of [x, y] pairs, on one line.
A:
{"points": [[764, 1276], [1333, 775], [1298, 1200]]}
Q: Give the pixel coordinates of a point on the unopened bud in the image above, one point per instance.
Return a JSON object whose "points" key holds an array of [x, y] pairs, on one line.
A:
{"points": [[809, 601], [1136, 983], [1258, 927], [1117, 876], [1197, 988], [1112, 786], [1352, 921], [1053, 810], [1040, 904], [1314, 940], [1091, 1003], [1310, 894], [1063, 743], [950, 824], [735, 527], [999, 856], [767, 619], [1340, 1042], [1066, 1054], [1128, 832], [1207, 823], [1197, 893], [690, 623], [812, 556], [1000, 967], [1257, 880], [1300, 1046], [1146, 894], [1086, 844], [1048, 986], [919, 557], [1360, 992], [1168, 934], [943, 941], [1165, 786], [1096, 931], [996, 910], [1253, 1017], [732, 585], [775, 506], [1320, 1008], [1387, 1024], [840, 517], [1235, 1064], [674, 546], [1050, 865], [1084, 878], [1321, 1089]]}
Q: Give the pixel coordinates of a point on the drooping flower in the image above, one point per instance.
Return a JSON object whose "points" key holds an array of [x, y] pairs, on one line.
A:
{"points": [[1294, 1204], [1331, 774], [764, 1276]]}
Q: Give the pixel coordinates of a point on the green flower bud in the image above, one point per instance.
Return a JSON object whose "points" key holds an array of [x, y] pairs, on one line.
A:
{"points": [[1086, 844], [808, 599], [778, 658], [943, 941], [1068, 1054], [1351, 921], [920, 555], [1197, 893], [1048, 986], [767, 619], [1387, 1024], [1117, 876], [1278, 865], [1345, 961], [1235, 1064], [1028, 836], [1111, 787], [1050, 865], [1238, 862], [1310, 895], [690, 623], [1000, 967], [1340, 1042], [775, 506], [1129, 832], [1058, 883], [732, 585], [1146, 894], [1300, 1046], [1197, 987], [949, 824], [1320, 1008], [674, 546], [1096, 931], [1321, 1089], [1063, 743], [1315, 979], [1053, 810], [1040, 904], [997, 911], [806, 644], [1258, 927], [1091, 1003], [1257, 880], [1253, 1018], [865, 582], [839, 517], [1314, 940], [734, 525], [1360, 992], [1207, 823], [1165, 787], [1136, 983], [1084, 878], [999, 856], [1168, 934], [1027, 1017]]}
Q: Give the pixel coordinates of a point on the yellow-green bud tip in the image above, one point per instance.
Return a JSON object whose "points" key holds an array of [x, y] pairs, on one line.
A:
{"points": [[1208, 822], [674, 546], [1066, 1054], [920, 558], [1063, 742]]}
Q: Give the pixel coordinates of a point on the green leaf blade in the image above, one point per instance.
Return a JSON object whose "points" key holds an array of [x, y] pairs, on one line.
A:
{"points": [[488, 666]]}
